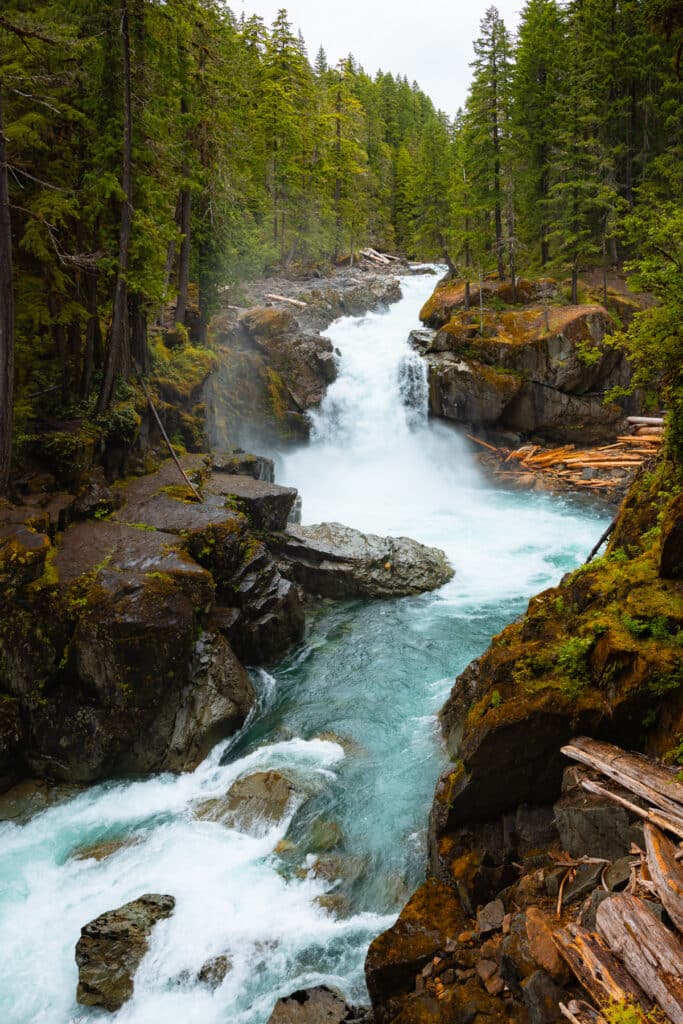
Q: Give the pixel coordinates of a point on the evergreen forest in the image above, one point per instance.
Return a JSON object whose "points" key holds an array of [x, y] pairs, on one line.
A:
{"points": [[157, 152]]}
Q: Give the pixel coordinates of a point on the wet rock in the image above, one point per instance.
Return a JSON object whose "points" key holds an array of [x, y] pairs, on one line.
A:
{"points": [[103, 850], [431, 918], [214, 972], [490, 917], [526, 372], [12, 737], [111, 948], [265, 504], [242, 463], [253, 803], [31, 796], [314, 1006], [142, 693], [96, 500], [542, 997], [22, 555], [335, 561], [324, 835]]}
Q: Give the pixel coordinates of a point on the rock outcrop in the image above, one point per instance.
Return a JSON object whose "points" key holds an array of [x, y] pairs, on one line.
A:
{"points": [[336, 561], [319, 1005], [123, 656], [537, 369], [111, 948], [600, 654], [123, 638]]}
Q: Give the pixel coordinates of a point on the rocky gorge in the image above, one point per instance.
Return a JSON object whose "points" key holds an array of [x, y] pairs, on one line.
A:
{"points": [[140, 606]]}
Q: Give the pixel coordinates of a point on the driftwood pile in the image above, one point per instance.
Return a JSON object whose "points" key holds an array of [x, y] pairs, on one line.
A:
{"points": [[633, 956], [378, 259], [607, 468]]}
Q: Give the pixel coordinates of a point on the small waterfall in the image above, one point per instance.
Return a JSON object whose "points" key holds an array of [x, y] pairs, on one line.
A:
{"points": [[414, 388]]}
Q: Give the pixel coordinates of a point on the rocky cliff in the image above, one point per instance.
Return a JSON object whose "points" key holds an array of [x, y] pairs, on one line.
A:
{"points": [[600, 654], [527, 364], [128, 611]]}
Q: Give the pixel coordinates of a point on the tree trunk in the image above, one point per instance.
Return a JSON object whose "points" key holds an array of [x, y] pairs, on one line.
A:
{"points": [[184, 255], [118, 356], [138, 333], [6, 318], [575, 286]]}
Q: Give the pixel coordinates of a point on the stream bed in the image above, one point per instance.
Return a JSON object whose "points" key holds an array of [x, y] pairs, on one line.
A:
{"points": [[349, 717]]}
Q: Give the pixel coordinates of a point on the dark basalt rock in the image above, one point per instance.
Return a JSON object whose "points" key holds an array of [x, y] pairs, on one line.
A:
{"points": [[111, 948], [335, 561], [267, 505]]}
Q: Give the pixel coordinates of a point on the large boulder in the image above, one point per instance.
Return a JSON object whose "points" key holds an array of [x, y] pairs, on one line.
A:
{"points": [[139, 692], [315, 1006], [253, 803], [111, 948], [336, 561], [536, 370]]}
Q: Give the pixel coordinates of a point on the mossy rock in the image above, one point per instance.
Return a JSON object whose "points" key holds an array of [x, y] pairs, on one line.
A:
{"points": [[600, 654]]}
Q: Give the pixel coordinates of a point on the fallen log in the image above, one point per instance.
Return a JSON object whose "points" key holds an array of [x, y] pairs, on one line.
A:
{"points": [[666, 873], [639, 439], [670, 823], [581, 1013], [651, 954], [646, 421], [284, 298], [632, 771], [485, 444], [597, 969]]}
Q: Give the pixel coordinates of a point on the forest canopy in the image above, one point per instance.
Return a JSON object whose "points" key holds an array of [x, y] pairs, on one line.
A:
{"points": [[159, 151]]}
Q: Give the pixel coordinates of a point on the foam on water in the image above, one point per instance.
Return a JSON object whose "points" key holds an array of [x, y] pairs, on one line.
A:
{"points": [[350, 716]]}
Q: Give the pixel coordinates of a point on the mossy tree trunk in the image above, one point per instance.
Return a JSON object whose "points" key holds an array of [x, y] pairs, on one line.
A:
{"points": [[6, 318], [118, 356]]}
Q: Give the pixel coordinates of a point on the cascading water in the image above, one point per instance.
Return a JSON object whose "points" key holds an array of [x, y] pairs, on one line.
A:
{"points": [[349, 717]]}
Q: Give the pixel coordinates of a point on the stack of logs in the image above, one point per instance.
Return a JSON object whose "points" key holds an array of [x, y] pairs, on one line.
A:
{"points": [[634, 956], [608, 468], [378, 259]]}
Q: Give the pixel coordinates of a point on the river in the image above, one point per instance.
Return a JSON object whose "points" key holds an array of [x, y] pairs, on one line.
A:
{"points": [[349, 716]]}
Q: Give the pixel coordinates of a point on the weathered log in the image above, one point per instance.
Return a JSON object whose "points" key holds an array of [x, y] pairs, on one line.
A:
{"points": [[648, 421], [666, 873], [656, 817], [596, 968], [647, 779], [648, 439], [652, 955], [283, 298], [579, 1012], [485, 444]]}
